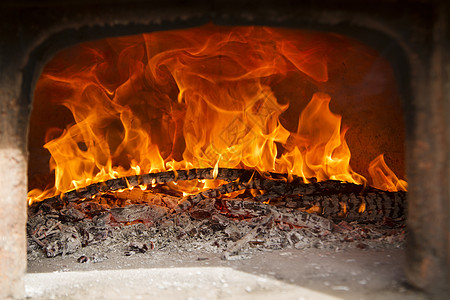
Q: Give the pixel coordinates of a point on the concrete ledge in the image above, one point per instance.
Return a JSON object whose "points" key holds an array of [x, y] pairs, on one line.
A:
{"points": [[162, 283]]}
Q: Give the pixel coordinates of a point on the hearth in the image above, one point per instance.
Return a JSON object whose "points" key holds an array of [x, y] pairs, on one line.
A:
{"points": [[204, 129], [412, 45]]}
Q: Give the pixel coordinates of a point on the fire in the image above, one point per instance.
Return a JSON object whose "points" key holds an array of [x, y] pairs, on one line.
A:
{"points": [[383, 177], [325, 153], [194, 98]]}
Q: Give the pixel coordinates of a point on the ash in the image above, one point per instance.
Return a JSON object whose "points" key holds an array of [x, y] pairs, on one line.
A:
{"points": [[233, 228]]}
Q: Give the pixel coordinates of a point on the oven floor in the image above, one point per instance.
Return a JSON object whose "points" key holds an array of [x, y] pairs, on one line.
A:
{"points": [[283, 274]]}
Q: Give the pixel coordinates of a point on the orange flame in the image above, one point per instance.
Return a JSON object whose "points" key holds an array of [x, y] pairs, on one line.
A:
{"points": [[325, 154], [193, 99], [383, 177]]}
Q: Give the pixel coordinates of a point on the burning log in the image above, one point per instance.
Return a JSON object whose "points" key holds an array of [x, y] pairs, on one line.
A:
{"points": [[369, 206], [331, 199], [148, 179]]}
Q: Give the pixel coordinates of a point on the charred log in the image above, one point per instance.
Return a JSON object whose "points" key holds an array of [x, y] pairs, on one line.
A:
{"points": [[331, 199], [150, 179]]}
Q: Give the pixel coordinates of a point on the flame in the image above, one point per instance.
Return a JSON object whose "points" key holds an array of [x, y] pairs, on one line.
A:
{"points": [[319, 147], [383, 177], [193, 99]]}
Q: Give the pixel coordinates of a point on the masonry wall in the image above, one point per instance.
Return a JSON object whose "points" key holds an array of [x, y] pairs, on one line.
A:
{"points": [[428, 249], [13, 188]]}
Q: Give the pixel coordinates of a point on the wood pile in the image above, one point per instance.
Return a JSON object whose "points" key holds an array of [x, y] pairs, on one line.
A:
{"points": [[65, 223]]}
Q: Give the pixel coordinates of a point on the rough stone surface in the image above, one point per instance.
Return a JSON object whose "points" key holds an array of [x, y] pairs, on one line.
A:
{"points": [[13, 219]]}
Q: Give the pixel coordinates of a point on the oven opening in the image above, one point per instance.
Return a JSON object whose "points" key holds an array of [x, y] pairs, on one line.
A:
{"points": [[224, 141]]}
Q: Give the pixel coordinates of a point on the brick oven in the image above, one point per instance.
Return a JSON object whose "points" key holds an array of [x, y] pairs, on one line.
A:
{"points": [[413, 37]]}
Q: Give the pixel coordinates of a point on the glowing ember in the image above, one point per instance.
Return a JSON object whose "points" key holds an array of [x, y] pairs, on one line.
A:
{"points": [[195, 98]]}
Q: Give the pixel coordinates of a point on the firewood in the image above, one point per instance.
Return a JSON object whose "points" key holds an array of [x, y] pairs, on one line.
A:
{"points": [[149, 179], [112, 185], [370, 206], [332, 199]]}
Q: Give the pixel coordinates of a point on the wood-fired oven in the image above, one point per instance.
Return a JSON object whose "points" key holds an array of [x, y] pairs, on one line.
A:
{"points": [[412, 36]]}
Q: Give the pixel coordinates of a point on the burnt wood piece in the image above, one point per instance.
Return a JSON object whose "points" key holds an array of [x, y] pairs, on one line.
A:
{"points": [[330, 198], [338, 200], [370, 206], [138, 196], [149, 179], [111, 185], [191, 200], [333, 199], [275, 189], [296, 186], [278, 188]]}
